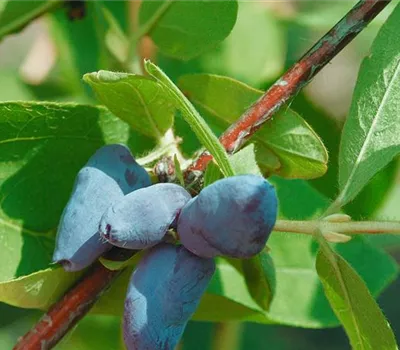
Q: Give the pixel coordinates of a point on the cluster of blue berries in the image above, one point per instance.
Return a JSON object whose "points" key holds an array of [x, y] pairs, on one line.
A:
{"points": [[113, 203]]}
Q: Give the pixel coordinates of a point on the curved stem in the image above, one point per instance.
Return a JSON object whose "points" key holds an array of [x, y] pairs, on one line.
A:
{"points": [[168, 145]]}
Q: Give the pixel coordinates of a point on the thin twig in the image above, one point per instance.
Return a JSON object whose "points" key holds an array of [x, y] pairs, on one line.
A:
{"points": [[350, 227], [78, 301], [64, 314]]}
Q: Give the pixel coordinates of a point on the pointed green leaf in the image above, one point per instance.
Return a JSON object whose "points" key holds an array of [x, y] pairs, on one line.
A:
{"points": [[119, 264], [193, 118], [244, 161], [15, 15], [212, 174], [185, 29], [329, 130], [141, 102], [286, 145], [364, 322], [370, 136], [259, 273]]}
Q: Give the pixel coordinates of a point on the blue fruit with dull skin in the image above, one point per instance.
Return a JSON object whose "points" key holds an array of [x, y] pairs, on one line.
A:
{"points": [[163, 294], [109, 174], [232, 217], [142, 218]]}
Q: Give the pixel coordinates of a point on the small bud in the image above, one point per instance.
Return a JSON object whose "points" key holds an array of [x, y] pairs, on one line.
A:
{"points": [[337, 218], [335, 237]]}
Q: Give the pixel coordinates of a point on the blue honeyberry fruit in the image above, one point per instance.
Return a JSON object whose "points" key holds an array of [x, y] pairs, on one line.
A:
{"points": [[232, 217], [109, 174], [163, 294], [142, 218]]}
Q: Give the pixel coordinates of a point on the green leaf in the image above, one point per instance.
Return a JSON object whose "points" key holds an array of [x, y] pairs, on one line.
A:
{"points": [[329, 130], [370, 136], [259, 273], [286, 145], [212, 174], [178, 171], [121, 264], [198, 335], [193, 118], [42, 148], [15, 15], [294, 259], [13, 87], [364, 322], [379, 188], [116, 40], [38, 290], [141, 102], [300, 151], [185, 29], [94, 332], [228, 298], [244, 161], [257, 30]]}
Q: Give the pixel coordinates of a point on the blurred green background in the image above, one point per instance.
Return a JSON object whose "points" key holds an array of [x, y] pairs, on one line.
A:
{"points": [[48, 58]]}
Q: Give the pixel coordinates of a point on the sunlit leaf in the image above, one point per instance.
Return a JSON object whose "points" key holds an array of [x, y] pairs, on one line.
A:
{"points": [[140, 101], [244, 161], [38, 290], [370, 136], [286, 145], [185, 29], [364, 322], [211, 174], [257, 30], [193, 118]]}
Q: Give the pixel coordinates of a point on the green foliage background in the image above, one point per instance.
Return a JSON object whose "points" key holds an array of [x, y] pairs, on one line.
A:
{"points": [[265, 40]]}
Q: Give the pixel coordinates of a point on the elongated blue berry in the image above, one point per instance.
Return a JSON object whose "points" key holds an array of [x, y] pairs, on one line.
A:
{"points": [[163, 293], [142, 218], [232, 217], [109, 174]]}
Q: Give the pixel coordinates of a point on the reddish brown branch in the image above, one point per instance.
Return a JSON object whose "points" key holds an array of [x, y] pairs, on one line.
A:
{"points": [[78, 301], [295, 78], [64, 314]]}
